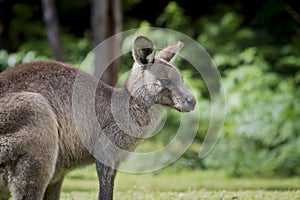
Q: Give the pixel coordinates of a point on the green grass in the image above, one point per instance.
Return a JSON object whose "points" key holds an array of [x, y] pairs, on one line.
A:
{"points": [[191, 195], [183, 185]]}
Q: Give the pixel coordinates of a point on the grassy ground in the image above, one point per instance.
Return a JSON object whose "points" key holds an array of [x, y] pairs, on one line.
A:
{"points": [[184, 185]]}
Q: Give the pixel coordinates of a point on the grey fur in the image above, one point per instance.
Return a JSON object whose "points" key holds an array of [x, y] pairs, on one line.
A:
{"points": [[39, 137]]}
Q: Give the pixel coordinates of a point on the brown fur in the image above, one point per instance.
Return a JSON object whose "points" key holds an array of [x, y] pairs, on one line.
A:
{"points": [[39, 137]]}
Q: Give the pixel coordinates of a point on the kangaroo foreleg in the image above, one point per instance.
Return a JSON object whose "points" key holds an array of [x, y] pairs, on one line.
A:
{"points": [[106, 177]]}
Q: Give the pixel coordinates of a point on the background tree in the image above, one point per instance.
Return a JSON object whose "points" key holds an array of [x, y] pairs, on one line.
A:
{"points": [[106, 21], [52, 26]]}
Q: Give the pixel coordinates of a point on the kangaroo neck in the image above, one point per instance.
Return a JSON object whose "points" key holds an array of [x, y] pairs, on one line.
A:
{"points": [[134, 108]]}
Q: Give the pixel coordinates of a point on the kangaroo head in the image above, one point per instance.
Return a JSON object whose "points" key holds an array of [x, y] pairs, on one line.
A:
{"points": [[154, 80]]}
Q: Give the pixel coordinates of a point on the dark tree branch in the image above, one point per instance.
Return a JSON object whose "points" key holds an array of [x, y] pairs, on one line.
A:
{"points": [[293, 12]]}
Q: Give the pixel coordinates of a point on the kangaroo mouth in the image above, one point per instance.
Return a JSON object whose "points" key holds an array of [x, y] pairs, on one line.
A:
{"points": [[184, 108]]}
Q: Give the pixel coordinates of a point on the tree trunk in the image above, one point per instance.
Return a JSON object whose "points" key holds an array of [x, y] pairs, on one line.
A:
{"points": [[52, 26], [106, 22]]}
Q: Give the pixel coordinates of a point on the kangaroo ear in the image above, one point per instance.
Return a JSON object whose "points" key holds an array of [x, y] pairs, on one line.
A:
{"points": [[143, 50], [169, 52]]}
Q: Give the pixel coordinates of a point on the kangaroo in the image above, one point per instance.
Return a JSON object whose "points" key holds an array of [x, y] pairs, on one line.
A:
{"points": [[39, 135]]}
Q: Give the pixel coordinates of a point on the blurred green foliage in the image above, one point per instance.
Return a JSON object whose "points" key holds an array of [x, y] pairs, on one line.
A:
{"points": [[76, 50], [259, 60], [261, 136]]}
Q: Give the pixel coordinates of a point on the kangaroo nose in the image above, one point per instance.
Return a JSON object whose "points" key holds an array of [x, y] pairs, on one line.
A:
{"points": [[191, 101]]}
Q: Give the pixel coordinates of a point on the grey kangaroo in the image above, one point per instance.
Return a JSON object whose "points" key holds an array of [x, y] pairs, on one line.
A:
{"points": [[39, 138]]}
